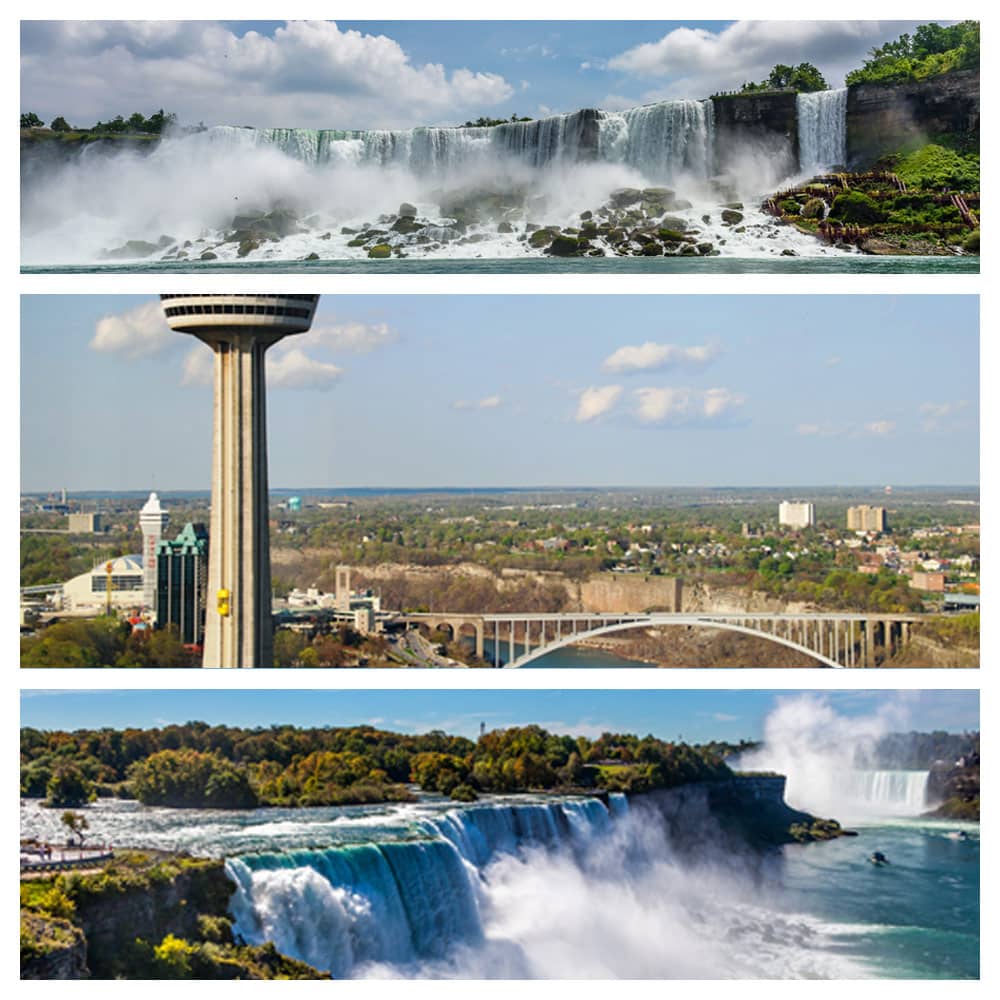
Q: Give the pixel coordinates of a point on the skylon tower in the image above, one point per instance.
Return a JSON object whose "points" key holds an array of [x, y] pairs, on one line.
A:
{"points": [[239, 329]]}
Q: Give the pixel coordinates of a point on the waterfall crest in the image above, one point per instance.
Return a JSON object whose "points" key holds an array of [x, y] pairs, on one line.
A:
{"points": [[822, 121], [398, 901]]}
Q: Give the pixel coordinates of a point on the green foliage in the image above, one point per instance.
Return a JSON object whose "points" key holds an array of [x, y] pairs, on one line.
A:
{"points": [[75, 823], [463, 793], [857, 208], [68, 786], [936, 168], [60, 125], [190, 779], [493, 122], [804, 78], [30, 120], [930, 51], [137, 123]]}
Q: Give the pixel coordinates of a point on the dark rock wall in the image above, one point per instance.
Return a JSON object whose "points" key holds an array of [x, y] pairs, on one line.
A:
{"points": [[760, 123], [883, 118]]}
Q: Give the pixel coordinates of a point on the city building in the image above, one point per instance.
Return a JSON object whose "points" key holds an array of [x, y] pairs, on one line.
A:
{"points": [[152, 522], [796, 514], [866, 518], [84, 524], [931, 582], [122, 578], [239, 329], [182, 583]]}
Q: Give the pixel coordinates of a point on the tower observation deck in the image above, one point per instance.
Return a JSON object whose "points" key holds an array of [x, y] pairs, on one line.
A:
{"points": [[239, 329]]}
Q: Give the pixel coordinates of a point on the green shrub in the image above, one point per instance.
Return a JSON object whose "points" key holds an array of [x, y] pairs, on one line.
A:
{"points": [[854, 207]]}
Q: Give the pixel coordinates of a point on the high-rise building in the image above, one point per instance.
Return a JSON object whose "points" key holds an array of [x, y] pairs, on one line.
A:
{"points": [[866, 518], [239, 329], [182, 583], [152, 522], [796, 514]]}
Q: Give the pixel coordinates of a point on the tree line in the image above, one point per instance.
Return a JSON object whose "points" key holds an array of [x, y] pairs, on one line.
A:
{"points": [[136, 123], [197, 765]]}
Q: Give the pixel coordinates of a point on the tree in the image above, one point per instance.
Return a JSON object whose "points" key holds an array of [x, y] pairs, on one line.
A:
{"points": [[68, 786], [60, 125], [191, 779], [75, 823], [31, 120]]}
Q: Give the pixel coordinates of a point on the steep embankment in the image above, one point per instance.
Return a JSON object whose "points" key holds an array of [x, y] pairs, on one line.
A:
{"points": [[142, 916]]}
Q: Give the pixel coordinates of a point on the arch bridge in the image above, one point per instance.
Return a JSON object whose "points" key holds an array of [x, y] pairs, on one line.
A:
{"points": [[833, 640]]}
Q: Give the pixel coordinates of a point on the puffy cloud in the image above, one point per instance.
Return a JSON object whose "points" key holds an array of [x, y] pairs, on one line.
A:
{"points": [[308, 73], [698, 62], [595, 401], [652, 356], [351, 337], [288, 369], [808, 430], [138, 333], [294, 369], [680, 406], [486, 403]]}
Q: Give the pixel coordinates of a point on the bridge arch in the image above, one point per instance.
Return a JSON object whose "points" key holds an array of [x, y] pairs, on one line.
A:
{"points": [[572, 640]]}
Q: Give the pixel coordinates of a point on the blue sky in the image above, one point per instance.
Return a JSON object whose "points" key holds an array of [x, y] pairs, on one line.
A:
{"points": [[487, 391], [397, 74], [695, 716]]}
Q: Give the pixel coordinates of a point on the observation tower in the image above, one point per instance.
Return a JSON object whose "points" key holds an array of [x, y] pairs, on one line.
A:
{"points": [[239, 329]]}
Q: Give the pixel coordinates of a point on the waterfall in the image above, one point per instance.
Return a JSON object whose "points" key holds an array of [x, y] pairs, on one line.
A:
{"points": [[889, 793], [397, 901], [822, 121], [662, 140]]}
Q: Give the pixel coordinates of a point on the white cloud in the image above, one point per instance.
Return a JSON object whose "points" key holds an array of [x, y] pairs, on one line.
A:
{"points": [[309, 73], [651, 356], [880, 428], [294, 369], [486, 403], [808, 430], [832, 362], [138, 333], [288, 369], [697, 62], [595, 401], [351, 337], [682, 406]]}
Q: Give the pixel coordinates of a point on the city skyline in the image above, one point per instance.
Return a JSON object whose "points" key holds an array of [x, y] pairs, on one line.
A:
{"points": [[694, 715], [401, 74], [642, 391]]}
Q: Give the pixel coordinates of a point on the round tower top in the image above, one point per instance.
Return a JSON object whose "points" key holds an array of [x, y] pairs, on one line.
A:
{"points": [[273, 314]]}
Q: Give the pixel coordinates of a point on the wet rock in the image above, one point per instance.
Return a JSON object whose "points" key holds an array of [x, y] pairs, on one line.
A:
{"points": [[541, 238], [407, 209], [788, 252], [707, 219], [312, 256], [208, 255], [730, 217], [688, 250], [623, 197], [705, 249], [586, 216], [671, 235], [247, 246], [359, 242], [682, 205], [380, 251], [326, 236], [674, 222], [734, 205], [347, 231], [652, 250], [133, 248], [567, 246], [505, 227], [406, 224]]}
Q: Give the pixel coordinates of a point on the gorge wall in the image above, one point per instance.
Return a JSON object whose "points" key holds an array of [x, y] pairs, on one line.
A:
{"points": [[883, 118]]}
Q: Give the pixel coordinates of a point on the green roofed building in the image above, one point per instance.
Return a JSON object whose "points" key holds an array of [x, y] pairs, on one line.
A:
{"points": [[181, 583]]}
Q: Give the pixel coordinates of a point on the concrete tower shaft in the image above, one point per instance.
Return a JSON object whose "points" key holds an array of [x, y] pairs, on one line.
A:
{"points": [[239, 329]]}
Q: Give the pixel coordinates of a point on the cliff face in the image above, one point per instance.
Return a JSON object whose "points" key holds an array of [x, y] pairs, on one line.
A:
{"points": [[57, 949], [113, 919], [622, 593], [759, 124], [745, 811], [883, 118]]}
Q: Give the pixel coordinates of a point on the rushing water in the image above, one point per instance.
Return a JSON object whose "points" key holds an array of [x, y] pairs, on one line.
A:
{"points": [[112, 209], [548, 887], [822, 119]]}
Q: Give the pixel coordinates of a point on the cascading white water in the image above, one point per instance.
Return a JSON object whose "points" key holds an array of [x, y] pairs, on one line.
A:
{"points": [[888, 793], [663, 140], [398, 902], [822, 122]]}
